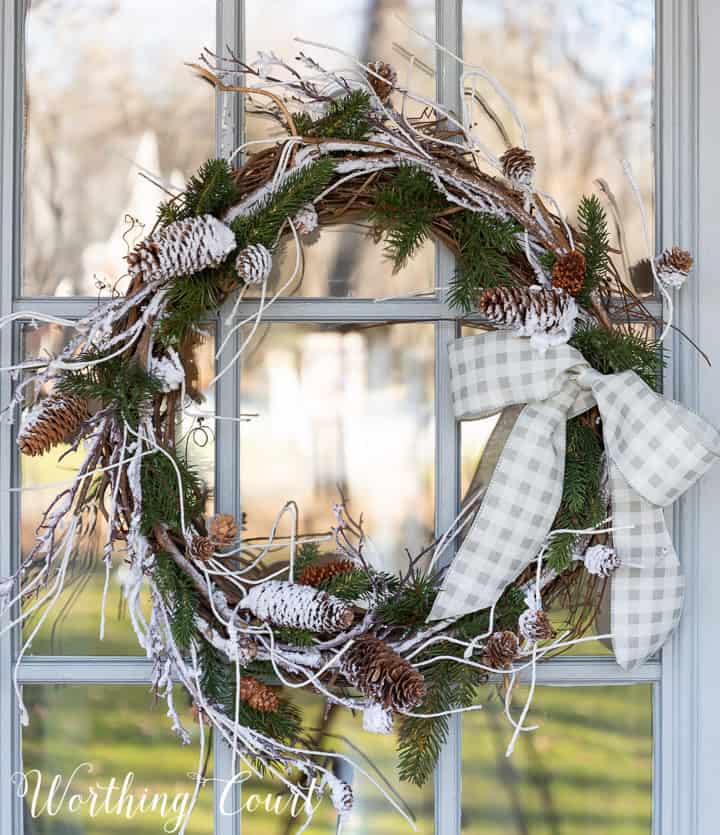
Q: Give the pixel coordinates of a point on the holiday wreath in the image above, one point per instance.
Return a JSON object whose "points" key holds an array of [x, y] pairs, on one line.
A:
{"points": [[574, 503]]}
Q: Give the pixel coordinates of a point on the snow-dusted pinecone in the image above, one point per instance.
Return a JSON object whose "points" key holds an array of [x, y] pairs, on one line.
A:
{"points": [[501, 649], [168, 370], [244, 650], [534, 625], [673, 266], [518, 165], [299, 607], [316, 575], [258, 695], [51, 421], [341, 794], [382, 675], [223, 529], [253, 264], [377, 719], [384, 85], [182, 248], [568, 272], [547, 316], [601, 560], [202, 548], [306, 220]]}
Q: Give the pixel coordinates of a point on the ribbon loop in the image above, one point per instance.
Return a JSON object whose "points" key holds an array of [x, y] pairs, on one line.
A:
{"points": [[656, 449]]}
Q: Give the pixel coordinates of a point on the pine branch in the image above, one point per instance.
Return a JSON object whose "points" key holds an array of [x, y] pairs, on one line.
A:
{"points": [[404, 210], [212, 190], [348, 117], [263, 225], [594, 243], [161, 501], [181, 598], [411, 604], [486, 244], [189, 302]]}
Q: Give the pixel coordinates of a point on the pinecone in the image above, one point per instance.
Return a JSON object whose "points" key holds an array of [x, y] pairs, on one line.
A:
{"points": [[202, 548], [244, 650], [341, 794], [601, 560], [568, 272], [673, 266], [501, 649], [253, 264], [298, 607], [518, 165], [382, 675], [384, 85], [51, 421], [316, 575], [306, 220], [547, 316], [223, 529], [167, 370], [182, 248], [258, 695], [534, 625]]}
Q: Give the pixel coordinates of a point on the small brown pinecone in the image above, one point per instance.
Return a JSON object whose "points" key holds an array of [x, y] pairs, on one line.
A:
{"points": [[568, 272], [202, 548], [258, 695], [673, 266], [253, 264], [382, 675], [535, 625], [384, 85], [316, 575], [518, 165], [501, 649], [306, 220], [298, 607], [530, 311], [182, 248], [57, 417], [223, 529]]}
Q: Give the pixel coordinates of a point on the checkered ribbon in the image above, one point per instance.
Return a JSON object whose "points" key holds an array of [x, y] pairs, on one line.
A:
{"points": [[656, 450]]}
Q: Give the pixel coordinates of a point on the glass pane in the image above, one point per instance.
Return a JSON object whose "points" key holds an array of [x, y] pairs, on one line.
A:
{"points": [[108, 98], [73, 626], [342, 408], [342, 260], [584, 87], [372, 812], [587, 769], [122, 737]]}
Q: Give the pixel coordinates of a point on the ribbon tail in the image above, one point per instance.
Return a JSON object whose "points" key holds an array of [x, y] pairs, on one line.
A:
{"points": [[516, 514], [649, 587]]}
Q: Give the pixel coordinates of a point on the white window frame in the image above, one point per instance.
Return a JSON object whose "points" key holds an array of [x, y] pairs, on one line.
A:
{"points": [[686, 682]]}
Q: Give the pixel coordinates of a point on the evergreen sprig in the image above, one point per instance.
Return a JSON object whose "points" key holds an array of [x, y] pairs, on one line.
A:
{"points": [[118, 382], [212, 190], [263, 224], [161, 494], [348, 117], [189, 302], [486, 244], [404, 210], [181, 598], [294, 637], [620, 350], [350, 585], [410, 605], [581, 505], [450, 685], [594, 243]]}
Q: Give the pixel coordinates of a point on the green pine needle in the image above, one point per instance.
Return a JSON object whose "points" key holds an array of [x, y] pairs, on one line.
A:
{"points": [[594, 243], [348, 117], [212, 190], [181, 598], [411, 604], [160, 492]]}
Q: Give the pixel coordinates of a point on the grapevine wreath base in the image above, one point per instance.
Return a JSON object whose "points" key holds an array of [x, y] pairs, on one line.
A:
{"points": [[240, 632]]}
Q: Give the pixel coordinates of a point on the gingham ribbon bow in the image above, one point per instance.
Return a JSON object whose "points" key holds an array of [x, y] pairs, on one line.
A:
{"points": [[656, 450]]}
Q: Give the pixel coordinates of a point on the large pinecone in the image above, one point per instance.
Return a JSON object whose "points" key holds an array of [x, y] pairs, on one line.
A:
{"points": [[182, 248], [501, 649], [382, 675], [57, 417], [202, 548], [258, 695], [223, 529], [673, 266], [298, 607], [316, 575], [518, 165], [531, 311], [384, 85], [568, 272]]}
